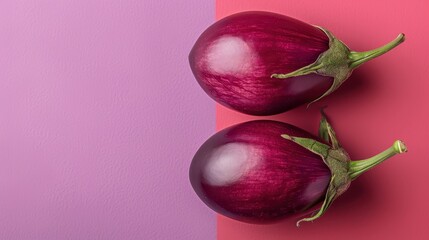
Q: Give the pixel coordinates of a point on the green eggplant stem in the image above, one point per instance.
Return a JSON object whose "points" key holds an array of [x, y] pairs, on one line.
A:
{"points": [[338, 62], [356, 168], [357, 58]]}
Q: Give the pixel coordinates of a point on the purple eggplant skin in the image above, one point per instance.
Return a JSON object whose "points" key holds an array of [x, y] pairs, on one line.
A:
{"points": [[235, 57], [248, 172], [262, 63]]}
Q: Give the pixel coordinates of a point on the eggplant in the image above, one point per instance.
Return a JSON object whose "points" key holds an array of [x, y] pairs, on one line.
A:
{"points": [[263, 171], [262, 63]]}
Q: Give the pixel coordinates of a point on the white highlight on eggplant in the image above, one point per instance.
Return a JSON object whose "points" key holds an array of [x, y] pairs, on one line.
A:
{"points": [[229, 163], [230, 55]]}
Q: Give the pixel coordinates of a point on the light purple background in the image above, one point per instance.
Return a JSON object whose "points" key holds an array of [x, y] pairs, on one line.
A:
{"points": [[99, 119]]}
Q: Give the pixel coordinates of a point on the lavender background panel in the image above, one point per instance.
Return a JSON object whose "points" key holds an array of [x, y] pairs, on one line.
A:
{"points": [[99, 119]]}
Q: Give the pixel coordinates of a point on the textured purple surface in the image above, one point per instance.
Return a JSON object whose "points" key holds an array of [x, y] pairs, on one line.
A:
{"points": [[99, 119], [250, 173], [234, 59]]}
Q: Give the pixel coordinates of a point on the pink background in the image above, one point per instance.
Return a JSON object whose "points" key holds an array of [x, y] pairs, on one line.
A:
{"points": [[99, 119], [384, 100]]}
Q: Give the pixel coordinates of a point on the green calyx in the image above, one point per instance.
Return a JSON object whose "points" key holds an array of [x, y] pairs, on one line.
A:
{"points": [[339, 61], [343, 171]]}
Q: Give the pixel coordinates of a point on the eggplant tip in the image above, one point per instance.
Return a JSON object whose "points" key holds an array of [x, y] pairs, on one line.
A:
{"points": [[285, 136], [400, 146], [401, 36]]}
